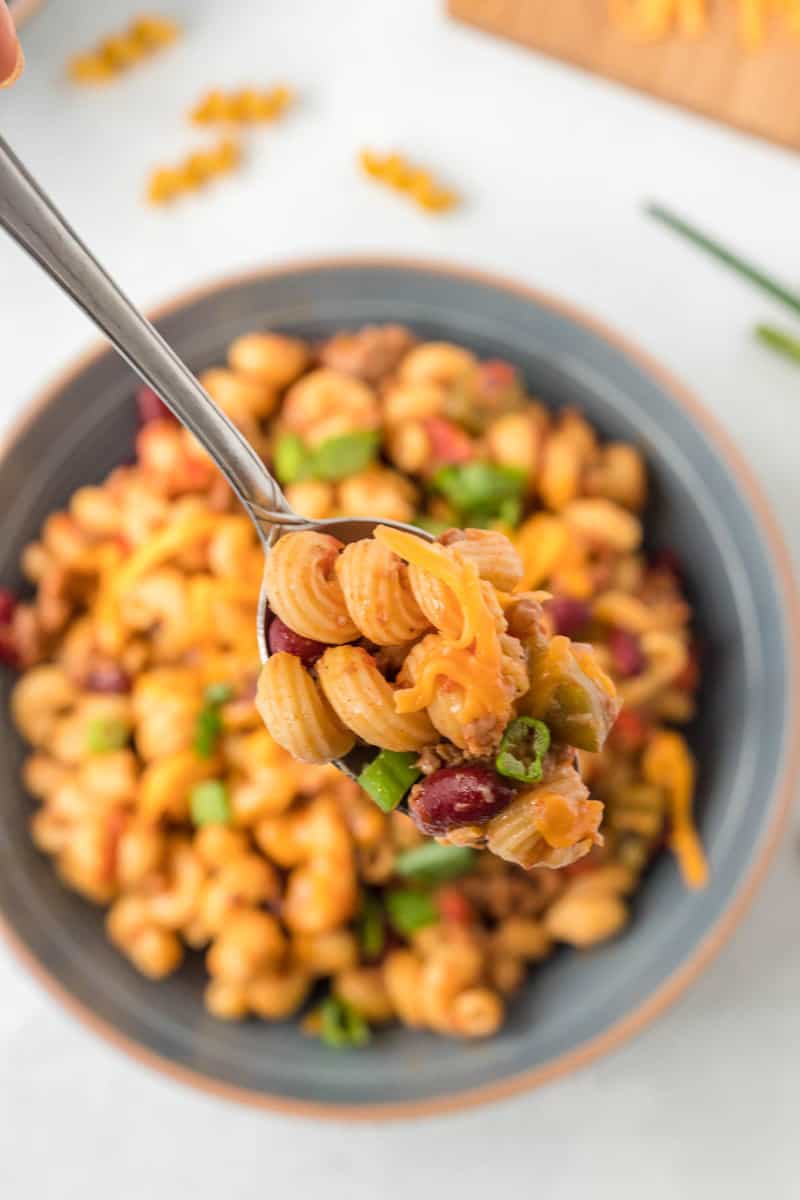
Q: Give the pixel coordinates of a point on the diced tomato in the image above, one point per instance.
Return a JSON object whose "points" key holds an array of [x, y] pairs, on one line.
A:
{"points": [[454, 906], [449, 444], [630, 730]]}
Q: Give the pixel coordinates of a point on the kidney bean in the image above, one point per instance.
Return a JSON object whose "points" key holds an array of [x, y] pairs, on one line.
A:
{"points": [[8, 602], [281, 637], [151, 407], [461, 795], [569, 615], [108, 678], [627, 656]]}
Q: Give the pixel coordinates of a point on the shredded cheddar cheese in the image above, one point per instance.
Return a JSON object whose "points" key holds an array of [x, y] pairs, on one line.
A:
{"points": [[475, 660], [654, 20], [668, 763]]}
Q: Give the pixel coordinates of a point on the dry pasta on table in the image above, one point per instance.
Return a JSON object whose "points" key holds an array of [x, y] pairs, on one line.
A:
{"points": [[159, 795]]}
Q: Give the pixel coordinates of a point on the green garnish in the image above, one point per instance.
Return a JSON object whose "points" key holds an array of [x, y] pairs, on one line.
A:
{"points": [[776, 339], [523, 746], [716, 249], [339, 457], [340, 1025], [209, 803], [333, 459], [208, 722], [389, 776], [432, 863], [481, 492], [371, 926], [409, 911], [218, 693], [105, 734], [289, 458]]}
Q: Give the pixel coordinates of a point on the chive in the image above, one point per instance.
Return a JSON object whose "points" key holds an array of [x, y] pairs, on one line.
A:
{"points": [[339, 457], [522, 748], [716, 249], [389, 776], [409, 911], [479, 490], [290, 458], [432, 863], [371, 927], [218, 693], [209, 803], [340, 1025], [776, 339], [105, 734]]}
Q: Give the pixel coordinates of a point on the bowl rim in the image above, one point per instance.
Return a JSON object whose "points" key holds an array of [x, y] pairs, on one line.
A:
{"points": [[707, 949]]}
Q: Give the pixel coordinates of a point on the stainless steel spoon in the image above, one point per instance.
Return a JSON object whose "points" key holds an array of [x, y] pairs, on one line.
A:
{"points": [[31, 219]]}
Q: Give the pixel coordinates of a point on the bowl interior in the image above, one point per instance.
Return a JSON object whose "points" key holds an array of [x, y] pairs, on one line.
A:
{"points": [[87, 427]]}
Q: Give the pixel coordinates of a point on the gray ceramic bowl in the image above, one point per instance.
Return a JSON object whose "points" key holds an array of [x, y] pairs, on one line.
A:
{"points": [[705, 505]]}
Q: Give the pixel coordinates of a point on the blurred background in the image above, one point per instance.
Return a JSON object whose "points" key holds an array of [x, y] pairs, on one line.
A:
{"points": [[552, 167]]}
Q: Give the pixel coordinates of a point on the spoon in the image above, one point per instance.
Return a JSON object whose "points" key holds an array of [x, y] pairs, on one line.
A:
{"points": [[27, 214]]}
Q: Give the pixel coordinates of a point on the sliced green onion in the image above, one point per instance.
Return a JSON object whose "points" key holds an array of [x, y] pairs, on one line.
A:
{"points": [[207, 728], [339, 457], [716, 249], [479, 490], [389, 776], [776, 339], [105, 734], [209, 803], [208, 722], [432, 863], [409, 911], [523, 746], [340, 1025], [218, 693], [290, 458], [371, 926]]}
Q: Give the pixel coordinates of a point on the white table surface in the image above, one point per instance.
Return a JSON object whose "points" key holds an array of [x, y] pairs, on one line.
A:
{"points": [[554, 166]]}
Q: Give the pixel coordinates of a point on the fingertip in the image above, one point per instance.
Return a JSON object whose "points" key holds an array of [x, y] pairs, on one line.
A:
{"points": [[16, 70]]}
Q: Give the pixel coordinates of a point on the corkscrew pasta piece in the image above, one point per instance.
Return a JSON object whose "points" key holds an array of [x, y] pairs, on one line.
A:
{"points": [[193, 173], [365, 701], [298, 715], [396, 172], [246, 106], [378, 594], [145, 36], [304, 589]]}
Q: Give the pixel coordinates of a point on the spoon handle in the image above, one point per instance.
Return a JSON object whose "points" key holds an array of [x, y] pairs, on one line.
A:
{"points": [[30, 218]]}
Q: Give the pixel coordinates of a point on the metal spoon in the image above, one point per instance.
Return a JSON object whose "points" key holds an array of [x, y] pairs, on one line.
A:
{"points": [[30, 218]]}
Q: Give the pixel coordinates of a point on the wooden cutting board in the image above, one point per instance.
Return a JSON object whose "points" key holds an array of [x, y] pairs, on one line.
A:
{"points": [[758, 91]]}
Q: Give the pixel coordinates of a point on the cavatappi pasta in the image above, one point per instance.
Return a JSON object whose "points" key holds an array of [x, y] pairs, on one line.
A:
{"points": [[160, 796], [145, 36], [194, 173]]}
